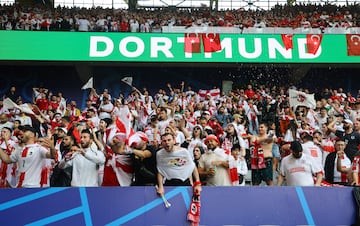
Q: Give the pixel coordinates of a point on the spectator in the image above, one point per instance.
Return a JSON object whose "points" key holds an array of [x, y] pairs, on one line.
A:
{"points": [[175, 166], [85, 162], [262, 157], [7, 175], [336, 160], [214, 163], [311, 149], [241, 164], [298, 168], [62, 177], [351, 138], [30, 158], [12, 94]]}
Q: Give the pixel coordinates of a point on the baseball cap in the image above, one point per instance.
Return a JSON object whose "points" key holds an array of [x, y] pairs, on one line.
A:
{"points": [[348, 121], [295, 146]]}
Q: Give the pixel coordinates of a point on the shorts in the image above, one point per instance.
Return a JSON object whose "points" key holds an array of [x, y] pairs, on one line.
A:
{"points": [[276, 151], [266, 174], [177, 182]]}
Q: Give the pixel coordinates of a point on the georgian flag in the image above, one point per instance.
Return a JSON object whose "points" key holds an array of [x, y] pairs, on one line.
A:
{"points": [[214, 93], [298, 98], [89, 84]]}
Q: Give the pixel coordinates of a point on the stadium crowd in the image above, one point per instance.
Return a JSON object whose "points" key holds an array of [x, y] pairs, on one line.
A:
{"points": [[152, 20], [278, 135]]}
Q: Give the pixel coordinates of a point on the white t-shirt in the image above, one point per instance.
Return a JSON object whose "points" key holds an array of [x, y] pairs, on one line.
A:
{"points": [[177, 164], [30, 163], [314, 151], [299, 172], [83, 25], [106, 107]]}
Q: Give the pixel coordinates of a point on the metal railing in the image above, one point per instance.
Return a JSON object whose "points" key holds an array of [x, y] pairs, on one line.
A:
{"points": [[223, 4], [267, 30]]}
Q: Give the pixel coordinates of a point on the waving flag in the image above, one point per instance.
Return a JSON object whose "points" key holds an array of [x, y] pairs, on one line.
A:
{"points": [[192, 43], [89, 84], [287, 40], [127, 80], [313, 43], [9, 104], [211, 42], [298, 98], [214, 93]]}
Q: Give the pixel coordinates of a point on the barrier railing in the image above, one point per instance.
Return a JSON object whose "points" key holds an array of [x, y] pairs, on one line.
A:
{"points": [[253, 30]]}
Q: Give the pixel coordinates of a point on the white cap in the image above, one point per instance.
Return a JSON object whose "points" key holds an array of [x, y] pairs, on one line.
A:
{"points": [[348, 121]]}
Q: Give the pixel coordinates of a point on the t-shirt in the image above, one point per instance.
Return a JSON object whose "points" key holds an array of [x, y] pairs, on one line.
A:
{"points": [[314, 151], [30, 162], [176, 164], [299, 172]]}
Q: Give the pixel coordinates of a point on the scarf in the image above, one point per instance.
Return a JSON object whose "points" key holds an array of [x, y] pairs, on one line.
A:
{"points": [[257, 157], [194, 211]]}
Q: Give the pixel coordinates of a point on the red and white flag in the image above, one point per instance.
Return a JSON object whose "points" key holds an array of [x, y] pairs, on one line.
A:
{"points": [[192, 43], [287, 40], [298, 98], [214, 93], [353, 44], [313, 42], [233, 171], [124, 121], [9, 104], [211, 42]]}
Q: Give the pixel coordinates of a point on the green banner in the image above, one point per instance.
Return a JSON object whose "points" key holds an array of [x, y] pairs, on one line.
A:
{"points": [[166, 47]]}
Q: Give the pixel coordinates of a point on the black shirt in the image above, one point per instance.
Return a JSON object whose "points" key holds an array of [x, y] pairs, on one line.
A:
{"points": [[352, 141]]}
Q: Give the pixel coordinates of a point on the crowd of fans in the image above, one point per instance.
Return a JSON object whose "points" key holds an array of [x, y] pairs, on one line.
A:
{"points": [[144, 139], [152, 20]]}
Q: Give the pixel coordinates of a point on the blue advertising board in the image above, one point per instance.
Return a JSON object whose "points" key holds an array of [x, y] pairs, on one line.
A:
{"points": [[285, 206]]}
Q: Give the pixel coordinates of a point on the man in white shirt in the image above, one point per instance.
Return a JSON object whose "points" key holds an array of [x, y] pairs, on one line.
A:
{"points": [[30, 158], [175, 166], [214, 163], [105, 108], [85, 162], [310, 148], [299, 168]]}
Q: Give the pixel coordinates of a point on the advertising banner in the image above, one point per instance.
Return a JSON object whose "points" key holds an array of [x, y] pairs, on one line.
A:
{"points": [[171, 47]]}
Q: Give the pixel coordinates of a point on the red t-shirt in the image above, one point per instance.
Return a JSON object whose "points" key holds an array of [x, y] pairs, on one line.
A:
{"points": [[43, 104]]}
